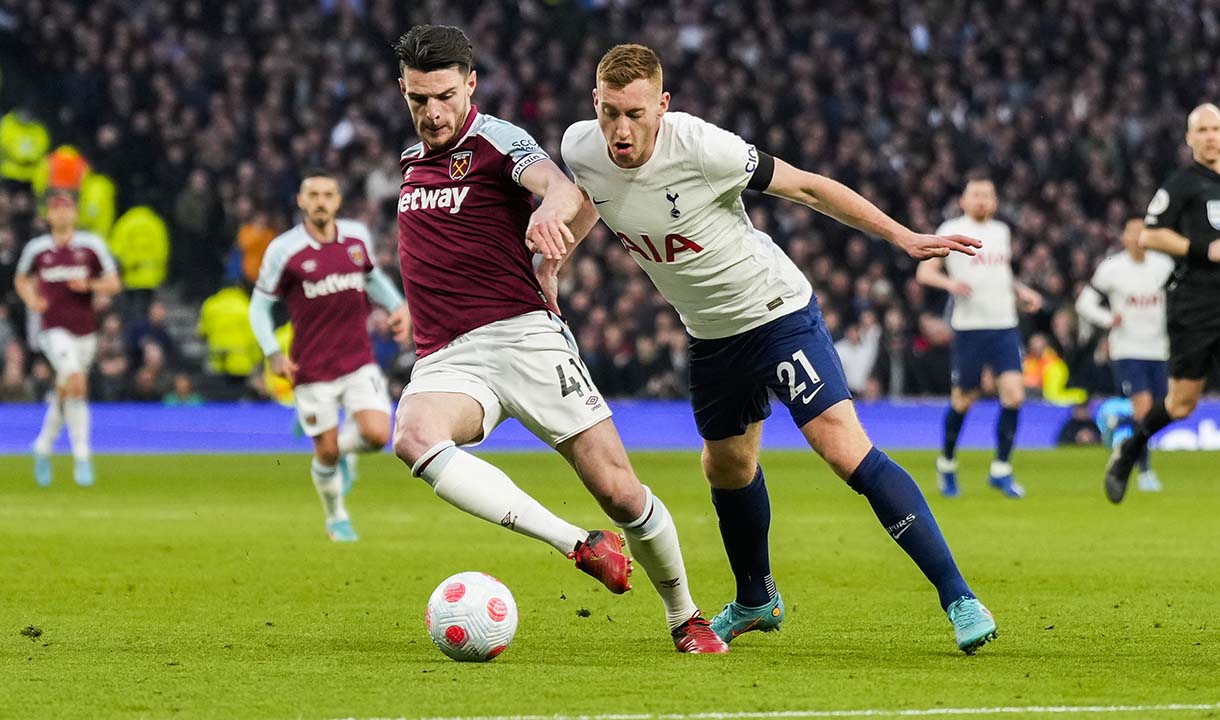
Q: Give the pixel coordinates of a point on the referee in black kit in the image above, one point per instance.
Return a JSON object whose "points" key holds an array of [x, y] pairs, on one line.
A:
{"points": [[1184, 221]]}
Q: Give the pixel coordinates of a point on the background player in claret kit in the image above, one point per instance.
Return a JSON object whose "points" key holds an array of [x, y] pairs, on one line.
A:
{"points": [[1133, 283], [489, 348], [1184, 221], [323, 270], [670, 184], [984, 322], [58, 275]]}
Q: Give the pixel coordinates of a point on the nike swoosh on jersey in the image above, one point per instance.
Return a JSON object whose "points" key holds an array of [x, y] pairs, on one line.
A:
{"points": [[599, 202], [809, 398]]}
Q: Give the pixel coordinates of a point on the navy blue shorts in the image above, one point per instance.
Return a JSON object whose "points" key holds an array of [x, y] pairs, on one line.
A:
{"points": [[972, 349], [1137, 376], [792, 356]]}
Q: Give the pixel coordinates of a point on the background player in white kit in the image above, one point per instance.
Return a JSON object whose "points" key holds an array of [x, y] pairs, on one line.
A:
{"points": [[669, 185], [1133, 283], [984, 322], [323, 270], [57, 277]]}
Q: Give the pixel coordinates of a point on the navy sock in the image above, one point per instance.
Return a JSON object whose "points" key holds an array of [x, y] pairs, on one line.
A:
{"points": [[1006, 433], [953, 428], [904, 513], [745, 520], [1145, 462]]}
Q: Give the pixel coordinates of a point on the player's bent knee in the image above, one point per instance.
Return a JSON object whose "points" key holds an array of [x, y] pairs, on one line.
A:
{"points": [[376, 437], [74, 386], [729, 472]]}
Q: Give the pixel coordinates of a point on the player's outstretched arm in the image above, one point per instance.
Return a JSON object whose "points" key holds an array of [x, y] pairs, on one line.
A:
{"points": [[840, 202], [548, 231], [1172, 243]]}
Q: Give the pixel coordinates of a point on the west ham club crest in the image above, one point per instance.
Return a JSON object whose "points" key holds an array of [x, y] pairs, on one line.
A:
{"points": [[355, 251], [459, 164]]}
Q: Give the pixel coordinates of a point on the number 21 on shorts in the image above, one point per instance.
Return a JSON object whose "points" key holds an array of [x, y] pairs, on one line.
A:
{"points": [[787, 374]]}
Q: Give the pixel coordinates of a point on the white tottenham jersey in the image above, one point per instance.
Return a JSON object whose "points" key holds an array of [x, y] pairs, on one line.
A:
{"points": [[991, 305], [680, 215], [1136, 292]]}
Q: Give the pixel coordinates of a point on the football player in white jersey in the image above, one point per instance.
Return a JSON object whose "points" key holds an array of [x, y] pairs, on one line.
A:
{"points": [[669, 185], [1133, 282], [984, 323]]}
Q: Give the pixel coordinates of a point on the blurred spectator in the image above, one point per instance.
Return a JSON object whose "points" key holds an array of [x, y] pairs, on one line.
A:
{"points": [[109, 379], [198, 250], [183, 393], [1080, 429], [151, 382], [140, 243], [252, 240], [13, 387], [151, 328], [858, 352], [23, 143], [224, 322]]}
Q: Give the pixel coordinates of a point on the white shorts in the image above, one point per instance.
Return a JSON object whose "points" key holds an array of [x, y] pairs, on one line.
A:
{"points": [[67, 353], [526, 367], [318, 403]]}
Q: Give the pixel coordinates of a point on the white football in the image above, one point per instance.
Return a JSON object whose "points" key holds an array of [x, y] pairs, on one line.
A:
{"points": [[471, 617]]}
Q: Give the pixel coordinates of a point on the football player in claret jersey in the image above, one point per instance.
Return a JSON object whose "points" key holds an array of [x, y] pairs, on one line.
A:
{"points": [[1184, 221], [669, 185], [323, 271], [489, 346], [1133, 283], [58, 275], [984, 323]]}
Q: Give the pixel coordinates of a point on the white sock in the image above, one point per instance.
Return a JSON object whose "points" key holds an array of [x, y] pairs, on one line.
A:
{"points": [[483, 490], [52, 425], [350, 440], [653, 540], [76, 413], [330, 488]]}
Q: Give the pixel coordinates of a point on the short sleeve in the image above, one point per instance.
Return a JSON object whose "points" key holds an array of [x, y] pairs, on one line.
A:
{"points": [[271, 272], [728, 161], [518, 147], [1165, 209], [25, 263], [361, 232], [1101, 278], [103, 261]]}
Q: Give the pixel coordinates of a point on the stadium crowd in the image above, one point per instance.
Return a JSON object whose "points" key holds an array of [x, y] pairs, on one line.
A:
{"points": [[203, 114]]}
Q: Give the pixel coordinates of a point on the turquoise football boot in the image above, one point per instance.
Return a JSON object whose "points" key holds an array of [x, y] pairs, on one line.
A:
{"points": [[42, 469], [341, 531], [83, 472], [736, 619], [973, 624]]}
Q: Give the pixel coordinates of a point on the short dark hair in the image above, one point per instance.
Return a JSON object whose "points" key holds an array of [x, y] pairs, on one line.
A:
{"points": [[314, 172], [434, 47]]}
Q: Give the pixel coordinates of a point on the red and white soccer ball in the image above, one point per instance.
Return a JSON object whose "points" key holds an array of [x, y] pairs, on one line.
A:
{"points": [[471, 617]]}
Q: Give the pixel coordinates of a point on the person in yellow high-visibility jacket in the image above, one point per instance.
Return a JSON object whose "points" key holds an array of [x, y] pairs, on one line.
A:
{"points": [[224, 322], [23, 143], [140, 242]]}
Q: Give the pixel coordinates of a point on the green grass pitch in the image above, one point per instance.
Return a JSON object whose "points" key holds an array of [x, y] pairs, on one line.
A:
{"points": [[204, 587]]}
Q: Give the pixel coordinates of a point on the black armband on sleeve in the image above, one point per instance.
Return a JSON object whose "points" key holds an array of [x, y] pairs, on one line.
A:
{"points": [[761, 180], [1198, 251]]}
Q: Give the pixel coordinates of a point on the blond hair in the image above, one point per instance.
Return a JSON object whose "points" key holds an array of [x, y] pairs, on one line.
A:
{"points": [[623, 64]]}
